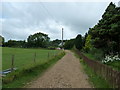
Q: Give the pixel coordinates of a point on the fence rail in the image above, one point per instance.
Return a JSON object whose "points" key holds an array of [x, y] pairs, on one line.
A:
{"points": [[109, 74], [13, 65]]}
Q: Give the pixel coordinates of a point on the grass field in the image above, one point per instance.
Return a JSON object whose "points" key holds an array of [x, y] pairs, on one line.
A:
{"points": [[27, 69], [25, 57]]}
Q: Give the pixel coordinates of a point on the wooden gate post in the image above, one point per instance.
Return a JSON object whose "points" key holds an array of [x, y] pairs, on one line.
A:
{"points": [[48, 55], [12, 63]]}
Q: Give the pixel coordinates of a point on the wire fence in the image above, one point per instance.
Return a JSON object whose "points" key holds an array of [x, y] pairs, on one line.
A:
{"points": [[109, 74], [19, 61]]}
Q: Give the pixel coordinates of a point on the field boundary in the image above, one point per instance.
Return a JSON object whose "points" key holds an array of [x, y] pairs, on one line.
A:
{"points": [[108, 73], [33, 57], [33, 71]]}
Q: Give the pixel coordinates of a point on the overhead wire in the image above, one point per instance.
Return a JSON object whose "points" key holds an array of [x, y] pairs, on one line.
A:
{"points": [[53, 17]]}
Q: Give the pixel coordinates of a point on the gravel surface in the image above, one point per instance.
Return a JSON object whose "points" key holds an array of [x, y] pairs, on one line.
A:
{"points": [[66, 73]]}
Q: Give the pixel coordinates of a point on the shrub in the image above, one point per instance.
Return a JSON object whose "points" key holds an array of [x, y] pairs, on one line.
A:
{"points": [[110, 58], [98, 54]]}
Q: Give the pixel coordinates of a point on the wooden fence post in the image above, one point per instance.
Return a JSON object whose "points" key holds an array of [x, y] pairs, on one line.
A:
{"points": [[12, 63], [110, 75], [34, 57], [54, 54], [48, 55]]}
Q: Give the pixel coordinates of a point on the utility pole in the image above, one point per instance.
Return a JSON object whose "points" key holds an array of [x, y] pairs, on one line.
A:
{"points": [[119, 4], [62, 38]]}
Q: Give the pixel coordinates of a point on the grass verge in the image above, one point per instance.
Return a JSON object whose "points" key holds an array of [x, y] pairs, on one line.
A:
{"points": [[96, 80], [19, 79], [115, 64], [89, 55]]}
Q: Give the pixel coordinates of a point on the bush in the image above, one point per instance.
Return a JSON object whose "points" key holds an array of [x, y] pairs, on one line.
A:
{"points": [[98, 54], [111, 58]]}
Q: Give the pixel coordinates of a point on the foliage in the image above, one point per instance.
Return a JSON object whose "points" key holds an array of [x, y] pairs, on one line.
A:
{"points": [[78, 42], [95, 54], [69, 44], [2, 40], [84, 39], [55, 43], [115, 65], [113, 61], [38, 40], [106, 34], [105, 38], [51, 47], [14, 43], [34, 41], [98, 54], [88, 43], [109, 58], [96, 80]]}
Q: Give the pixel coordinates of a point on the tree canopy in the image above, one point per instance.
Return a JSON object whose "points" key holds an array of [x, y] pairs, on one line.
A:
{"points": [[14, 43], [38, 40], [79, 42], [2, 40], [69, 44], [106, 34]]}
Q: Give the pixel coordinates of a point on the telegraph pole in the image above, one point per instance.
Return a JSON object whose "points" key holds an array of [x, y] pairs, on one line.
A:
{"points": [[119, 4], [62, 38]]}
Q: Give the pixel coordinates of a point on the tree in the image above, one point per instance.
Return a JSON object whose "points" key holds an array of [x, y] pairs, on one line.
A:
{"points": [[88, 43], [69, 44], [14, 43], [84, 39], [78, 42], [55, 43], [38, 40], [2, 40], [106, 34]]}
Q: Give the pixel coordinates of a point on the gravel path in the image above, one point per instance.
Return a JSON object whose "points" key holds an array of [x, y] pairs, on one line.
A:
{"points": [[66, 73]]}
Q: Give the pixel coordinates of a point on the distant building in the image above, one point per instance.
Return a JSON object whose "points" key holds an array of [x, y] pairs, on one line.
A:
{"points": [[60, 45], [57, 48]]}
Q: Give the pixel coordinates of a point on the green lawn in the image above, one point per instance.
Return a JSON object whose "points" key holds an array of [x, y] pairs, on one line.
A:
{"points": [[27, 69], [25, 57]]}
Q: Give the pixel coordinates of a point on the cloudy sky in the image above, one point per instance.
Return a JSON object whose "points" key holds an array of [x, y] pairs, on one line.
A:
{"points": [[20, 19]]}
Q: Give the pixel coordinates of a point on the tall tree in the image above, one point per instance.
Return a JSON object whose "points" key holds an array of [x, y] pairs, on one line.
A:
{"points": [[106, 34], [69, 44], [78, 42], [84, 39], [88, 44], [2, 40], [55, 43], [38, 40]]}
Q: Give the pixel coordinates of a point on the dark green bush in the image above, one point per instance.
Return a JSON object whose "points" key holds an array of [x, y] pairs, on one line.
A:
{"points": [[97, 53]]}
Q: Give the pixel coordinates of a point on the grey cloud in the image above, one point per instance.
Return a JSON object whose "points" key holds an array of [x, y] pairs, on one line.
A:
{"points": [[23, 19]]}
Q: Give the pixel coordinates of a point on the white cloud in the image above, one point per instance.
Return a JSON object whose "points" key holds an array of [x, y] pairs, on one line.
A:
{"points": [[22, 19]]}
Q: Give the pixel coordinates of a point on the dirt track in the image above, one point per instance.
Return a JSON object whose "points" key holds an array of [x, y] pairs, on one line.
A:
{"points": [[66, 73]]}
